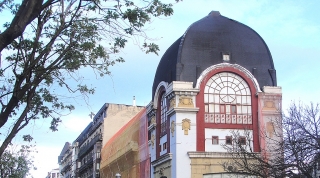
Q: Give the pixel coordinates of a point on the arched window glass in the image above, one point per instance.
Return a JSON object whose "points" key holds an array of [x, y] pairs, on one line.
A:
{"points": [[227, 99], [163, 109]]}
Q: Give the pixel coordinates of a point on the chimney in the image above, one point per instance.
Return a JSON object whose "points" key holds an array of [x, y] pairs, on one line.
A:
{"points": [[134, 101]]}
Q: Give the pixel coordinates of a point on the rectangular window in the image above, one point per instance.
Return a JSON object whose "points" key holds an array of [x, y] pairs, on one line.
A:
{"points": [[206, 108], [216, 98], [211, 99], [245, 109], [216, 108], [98, 155], [222, 109], [249, 110], [226, 57], [239, 109], [242, 141], [215, 140], [233, 109], [228, 109], [206, 96], [164, 146], [211, 108], [228, 140], [163, 128]]}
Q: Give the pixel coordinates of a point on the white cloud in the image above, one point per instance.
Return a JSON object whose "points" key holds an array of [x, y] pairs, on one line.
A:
{"points": [[75, 123], [45, 160]]}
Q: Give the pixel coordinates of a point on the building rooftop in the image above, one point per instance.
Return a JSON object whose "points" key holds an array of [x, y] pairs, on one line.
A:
{"points": [[204, 44]]}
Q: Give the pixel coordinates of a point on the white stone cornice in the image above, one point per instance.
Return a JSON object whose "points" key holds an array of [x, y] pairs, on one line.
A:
{"points": [[272, 89], [152, 127], [170, 112], [181, 87], [181, 109], [187, 92], [149, 107], [162, 159]]}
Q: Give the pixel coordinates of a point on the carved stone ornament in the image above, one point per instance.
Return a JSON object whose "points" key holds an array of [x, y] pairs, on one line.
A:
{"points": [[172, 102], [185, 102], [161, 171], [269, 105], [270, 129], [186, 125], [152, 140], [153, 120], [172, 128]]}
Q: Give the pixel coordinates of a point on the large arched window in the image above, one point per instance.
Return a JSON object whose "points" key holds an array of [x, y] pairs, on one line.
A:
{"points": [[227, 100]]}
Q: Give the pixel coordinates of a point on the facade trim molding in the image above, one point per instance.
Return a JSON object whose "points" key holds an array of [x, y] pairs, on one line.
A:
{"points": [[158, 92], [181, 110], [162, 159], [197, 154], [185, 109], [152, 127]]}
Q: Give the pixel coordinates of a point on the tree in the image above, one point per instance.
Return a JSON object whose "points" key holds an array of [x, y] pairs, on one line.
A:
{"points": [[17, 163], [50, 41], [294, 152]]}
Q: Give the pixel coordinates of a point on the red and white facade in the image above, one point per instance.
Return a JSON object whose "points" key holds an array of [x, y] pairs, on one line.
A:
{"points": [[188, 125]]}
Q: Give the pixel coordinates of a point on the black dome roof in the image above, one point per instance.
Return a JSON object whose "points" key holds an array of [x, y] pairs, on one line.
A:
{"points": [[202, 46]]}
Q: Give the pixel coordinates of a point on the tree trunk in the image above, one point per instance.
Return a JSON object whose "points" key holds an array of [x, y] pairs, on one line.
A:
{"points": [[14, 131], [27, 12]]}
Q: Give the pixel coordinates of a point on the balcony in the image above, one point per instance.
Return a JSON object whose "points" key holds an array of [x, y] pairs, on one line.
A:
{"points": [[87, 148], [87, 164], [66, 168]]}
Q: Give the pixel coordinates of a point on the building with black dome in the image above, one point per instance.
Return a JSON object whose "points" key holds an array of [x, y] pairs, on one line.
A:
{"points": [[217, 79]]}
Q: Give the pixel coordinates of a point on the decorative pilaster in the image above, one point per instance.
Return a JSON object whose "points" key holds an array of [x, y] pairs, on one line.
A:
{"points": [[270, 114]]}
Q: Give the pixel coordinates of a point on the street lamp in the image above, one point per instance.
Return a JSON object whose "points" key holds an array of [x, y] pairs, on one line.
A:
{"points": [[118, 175]]}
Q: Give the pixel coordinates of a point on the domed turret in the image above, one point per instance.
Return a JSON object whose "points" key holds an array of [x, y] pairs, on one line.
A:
{"points": [[206, 42]]}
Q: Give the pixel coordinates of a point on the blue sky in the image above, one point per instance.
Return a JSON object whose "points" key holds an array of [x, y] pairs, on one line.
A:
{"points": [[291, 29]]}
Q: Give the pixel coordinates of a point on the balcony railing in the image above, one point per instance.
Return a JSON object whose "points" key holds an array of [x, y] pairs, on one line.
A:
{"points": [[66, 168], [83, 150], [87, 164]]}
